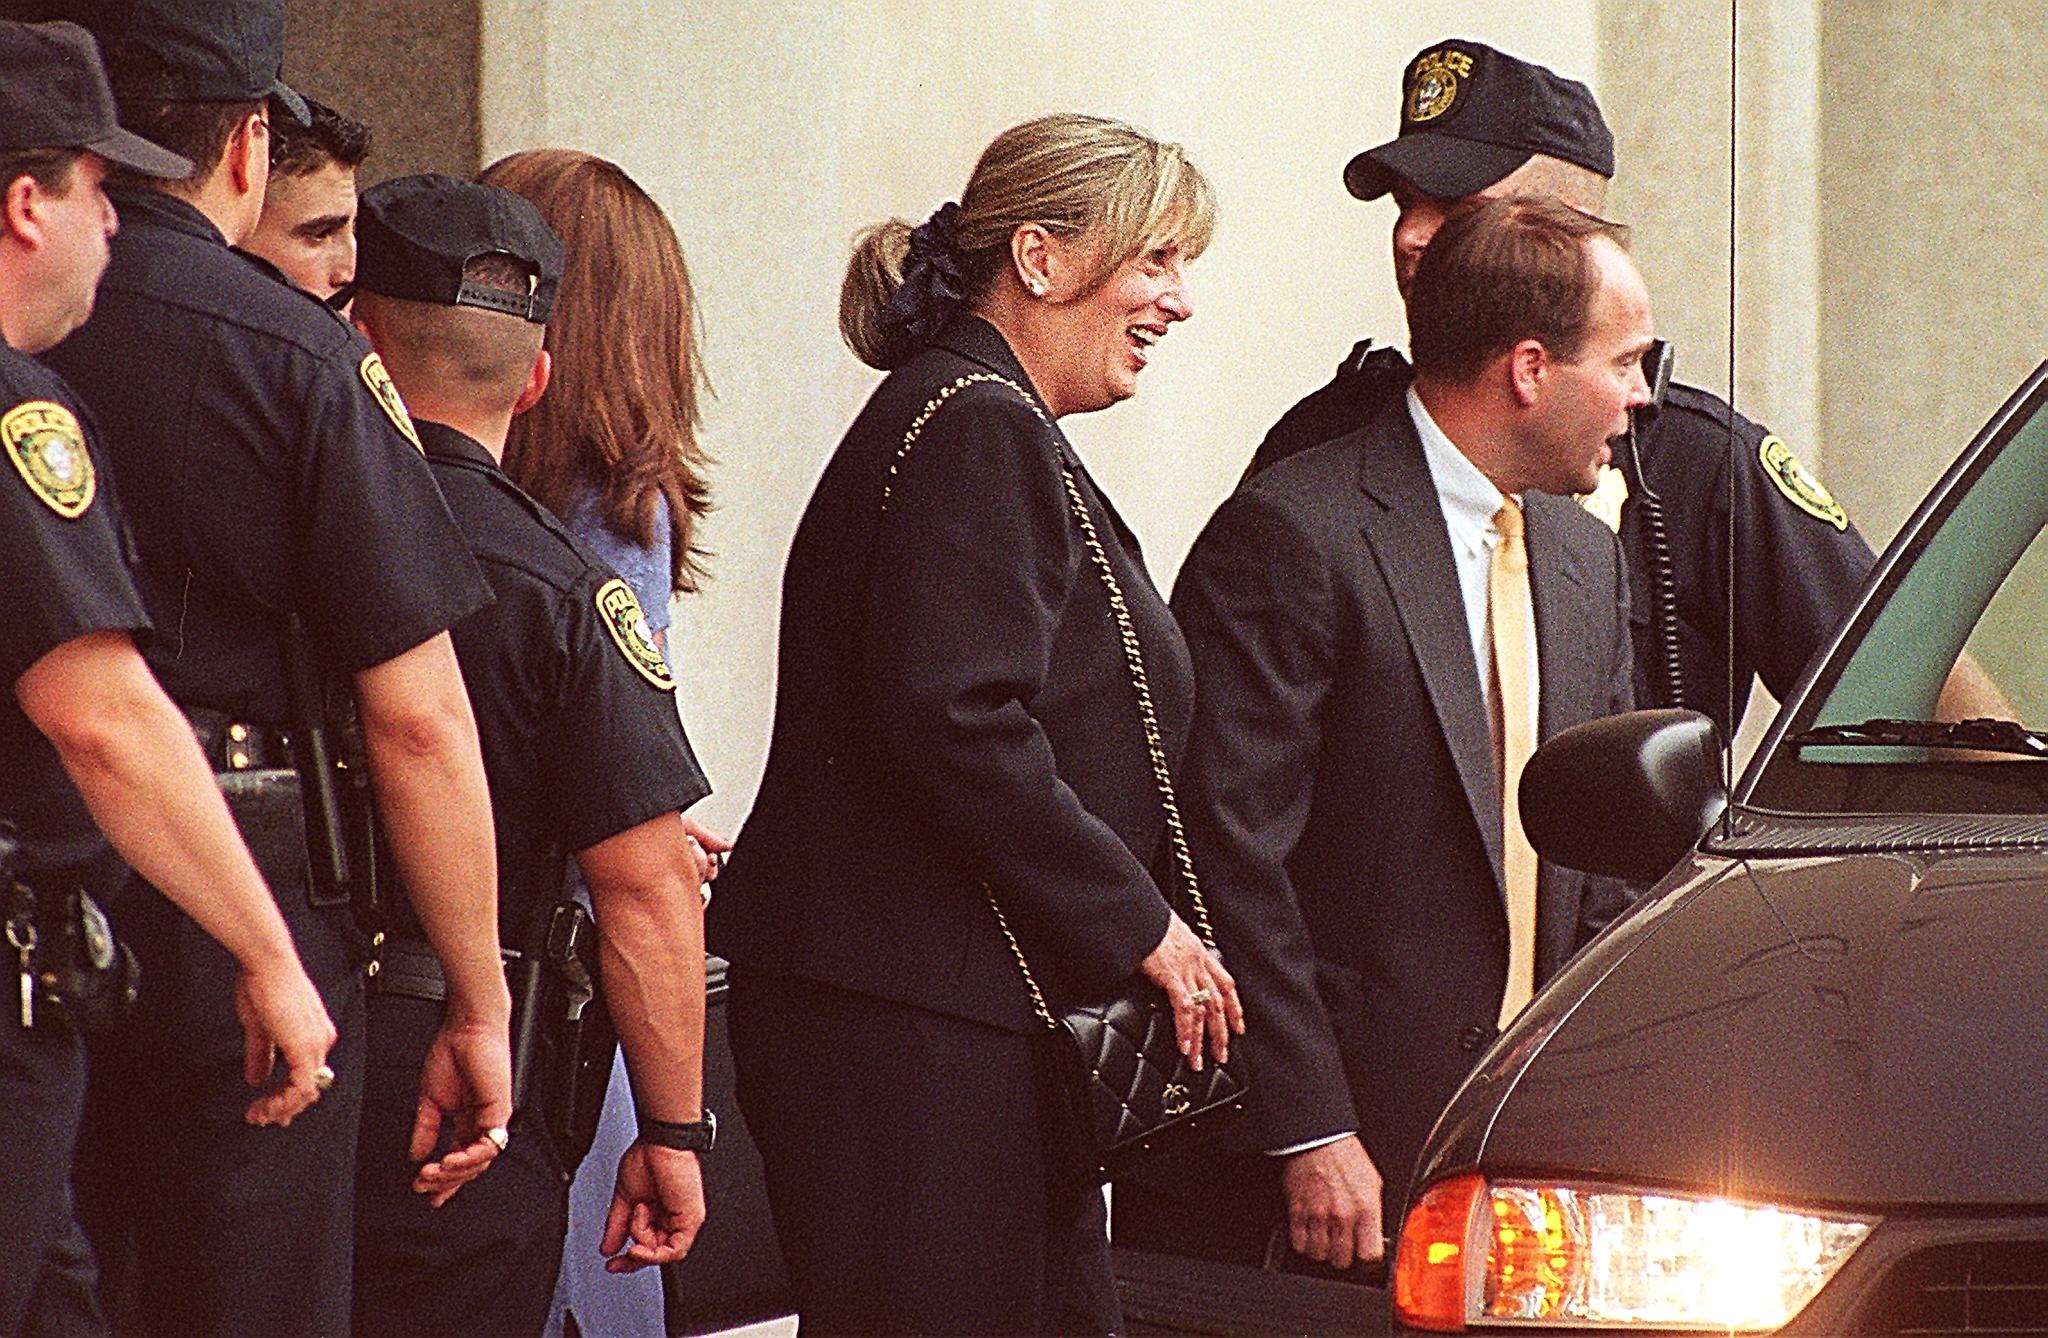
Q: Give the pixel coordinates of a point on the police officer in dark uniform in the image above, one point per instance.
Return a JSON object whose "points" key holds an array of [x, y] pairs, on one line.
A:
{"points": [[1476, 122], [586, 756], [271, 477], [86, 734]]}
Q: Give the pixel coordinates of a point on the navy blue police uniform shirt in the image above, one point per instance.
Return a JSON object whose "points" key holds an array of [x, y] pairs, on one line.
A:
{"points": [[574, 703], [1800, 562], [63, 575], [266, 463]]}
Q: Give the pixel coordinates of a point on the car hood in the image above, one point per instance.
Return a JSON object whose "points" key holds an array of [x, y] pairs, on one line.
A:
{"points": [[1848, 1030]]}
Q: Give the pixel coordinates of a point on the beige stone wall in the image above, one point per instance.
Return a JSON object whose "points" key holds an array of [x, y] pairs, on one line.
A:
{"points": [[1934, 192], [1893, 201], [415, 83], [771, 131]]}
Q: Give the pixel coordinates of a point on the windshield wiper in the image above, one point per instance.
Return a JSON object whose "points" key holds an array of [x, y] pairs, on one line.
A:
{"points": [[1981, 735]]}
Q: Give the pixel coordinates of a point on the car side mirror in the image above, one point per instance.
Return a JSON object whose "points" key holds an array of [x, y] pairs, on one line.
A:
{"points": [[1627, 796]]}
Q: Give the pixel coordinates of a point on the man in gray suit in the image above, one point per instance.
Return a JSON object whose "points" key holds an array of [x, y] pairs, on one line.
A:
{"points": [[1383, 627]]}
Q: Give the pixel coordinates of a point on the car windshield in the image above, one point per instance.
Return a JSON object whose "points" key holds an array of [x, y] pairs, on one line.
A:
{"points": [[1935, 700]]}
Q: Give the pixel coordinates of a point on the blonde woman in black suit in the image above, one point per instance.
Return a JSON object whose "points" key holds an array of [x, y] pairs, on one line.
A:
{"points": [[956, 723]]}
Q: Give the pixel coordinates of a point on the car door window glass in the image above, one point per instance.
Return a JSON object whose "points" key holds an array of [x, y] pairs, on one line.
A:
{"points": [[1966, 609]]}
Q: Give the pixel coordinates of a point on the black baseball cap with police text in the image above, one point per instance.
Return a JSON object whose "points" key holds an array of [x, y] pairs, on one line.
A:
{"points": [[198, 51], [54, 95], [1470, 115], [416, 235]]}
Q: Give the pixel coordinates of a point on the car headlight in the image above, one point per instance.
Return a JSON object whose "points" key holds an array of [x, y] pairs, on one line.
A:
{"points": [[1520, 1252]]}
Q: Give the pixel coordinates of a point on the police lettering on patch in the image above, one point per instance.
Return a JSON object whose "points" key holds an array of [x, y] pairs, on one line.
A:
{"points": [[630, 632], [1799, 485], [388, 398], [1436, 83], [48, 450]]}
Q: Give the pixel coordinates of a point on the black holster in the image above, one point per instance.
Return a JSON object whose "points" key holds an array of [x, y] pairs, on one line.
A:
{"points": [[577, 1039], [74, 959], [562, 1037], [300, 792]]}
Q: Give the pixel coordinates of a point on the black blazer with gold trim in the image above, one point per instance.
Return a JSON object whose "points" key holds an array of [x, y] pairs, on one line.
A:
{"points": [[954, 706]]}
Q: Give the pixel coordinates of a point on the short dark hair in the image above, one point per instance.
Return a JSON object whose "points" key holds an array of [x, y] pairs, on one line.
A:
{"points": [[199, 131], [334, 137], [50, 168], [1501, 271]]}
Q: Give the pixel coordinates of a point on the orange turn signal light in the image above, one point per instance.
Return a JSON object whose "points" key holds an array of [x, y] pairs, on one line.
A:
{"points": [[1430, 1266]]}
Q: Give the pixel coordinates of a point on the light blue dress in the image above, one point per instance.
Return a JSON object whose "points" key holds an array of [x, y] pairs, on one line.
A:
{"points": [[624, 1305]]}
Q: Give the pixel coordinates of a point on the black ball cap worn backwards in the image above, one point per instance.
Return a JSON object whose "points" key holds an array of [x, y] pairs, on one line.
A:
{"points": [[415, 236], [54, 95], [1470, 115], [199, 51]]}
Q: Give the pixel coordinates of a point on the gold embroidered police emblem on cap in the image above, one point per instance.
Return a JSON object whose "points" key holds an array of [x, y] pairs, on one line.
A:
{"points": [[388, 398], [1799, 485], [48, 450], [630, 632], [1434, 85]]}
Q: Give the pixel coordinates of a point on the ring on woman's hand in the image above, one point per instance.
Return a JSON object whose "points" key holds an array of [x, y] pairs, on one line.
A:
{"points": [[1202, 996]]}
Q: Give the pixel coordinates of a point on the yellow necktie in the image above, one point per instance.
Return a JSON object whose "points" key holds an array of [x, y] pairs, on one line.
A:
{"points": [[1514, 675]]}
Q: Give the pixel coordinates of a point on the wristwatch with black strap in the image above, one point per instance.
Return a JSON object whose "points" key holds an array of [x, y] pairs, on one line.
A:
{"points": [[683, 1136]]}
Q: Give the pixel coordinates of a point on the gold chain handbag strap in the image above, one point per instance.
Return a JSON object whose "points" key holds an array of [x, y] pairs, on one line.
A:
{"points": [[1127, 633]]}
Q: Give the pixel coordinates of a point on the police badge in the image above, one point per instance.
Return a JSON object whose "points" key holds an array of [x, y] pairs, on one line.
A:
{"points": [[387, 397], [1799, 485], [48, 450], [1435, 85], [635, 640]]}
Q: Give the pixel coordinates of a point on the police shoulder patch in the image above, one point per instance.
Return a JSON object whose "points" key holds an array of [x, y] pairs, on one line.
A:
{"points": [[1799, 485], [631, 634], [387, 397], [47, 446]]}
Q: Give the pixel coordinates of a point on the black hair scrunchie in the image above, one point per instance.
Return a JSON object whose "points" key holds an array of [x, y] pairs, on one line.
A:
{"points": [[932, 289]]}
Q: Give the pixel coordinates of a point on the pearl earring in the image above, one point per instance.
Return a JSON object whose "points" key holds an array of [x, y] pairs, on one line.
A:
{"points": [[1037, 287]]}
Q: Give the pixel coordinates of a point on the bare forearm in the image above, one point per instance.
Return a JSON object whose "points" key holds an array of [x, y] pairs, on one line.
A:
{"points": [[650, 918], [437, 814], [140, 771], [428, 777]]}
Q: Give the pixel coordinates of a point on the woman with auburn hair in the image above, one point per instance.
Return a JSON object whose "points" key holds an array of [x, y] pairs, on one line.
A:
{"points": [[615, 437], [611, 448], [966, 728]]}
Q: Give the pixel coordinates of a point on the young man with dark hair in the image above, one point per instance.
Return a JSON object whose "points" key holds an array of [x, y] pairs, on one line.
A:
{"points": [[295, 546], [586, 758], [1383, 627], [91, 750], [309, 210]]}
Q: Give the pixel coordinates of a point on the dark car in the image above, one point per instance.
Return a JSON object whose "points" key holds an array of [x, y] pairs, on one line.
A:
{"points": [[1803, 1085]]}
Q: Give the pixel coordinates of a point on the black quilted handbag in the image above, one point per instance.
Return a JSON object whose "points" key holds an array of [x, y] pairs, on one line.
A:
{"points": [[1136, 1094], [1130, 1091]]}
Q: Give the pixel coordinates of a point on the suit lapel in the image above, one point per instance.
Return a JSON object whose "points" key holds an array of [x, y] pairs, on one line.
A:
{"points": [[1405, 529], [1560, 589]]}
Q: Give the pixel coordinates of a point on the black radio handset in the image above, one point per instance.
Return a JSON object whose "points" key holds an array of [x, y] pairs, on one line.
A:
{"points": [[1667, 683]]}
